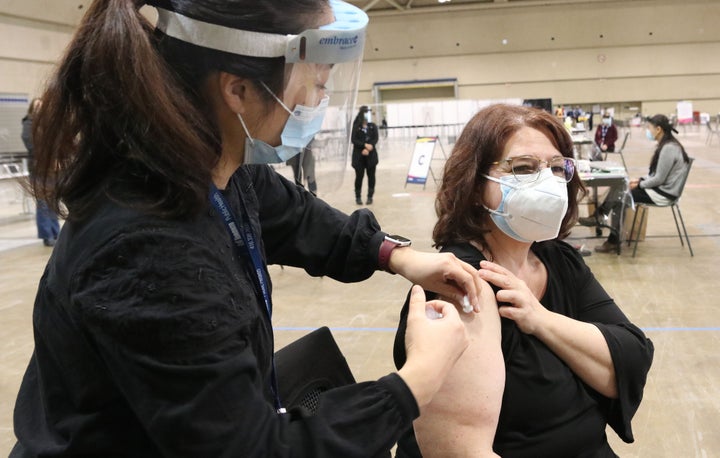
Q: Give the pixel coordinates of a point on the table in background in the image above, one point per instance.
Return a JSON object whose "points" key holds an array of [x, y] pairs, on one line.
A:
{"points": [[608, 175], [582, 145]]}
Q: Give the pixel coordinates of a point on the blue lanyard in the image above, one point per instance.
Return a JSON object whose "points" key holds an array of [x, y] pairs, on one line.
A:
{"points": [[247, 247]]}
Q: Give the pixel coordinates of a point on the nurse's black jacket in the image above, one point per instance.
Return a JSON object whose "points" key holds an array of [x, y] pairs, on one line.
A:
{"points": [[150, 339]]}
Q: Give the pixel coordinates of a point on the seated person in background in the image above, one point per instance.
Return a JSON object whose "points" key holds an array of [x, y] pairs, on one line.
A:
{"points": [[660, 186], [606, 135], [573, 362]]}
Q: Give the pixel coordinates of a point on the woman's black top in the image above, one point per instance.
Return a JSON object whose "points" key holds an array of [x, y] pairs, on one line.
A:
{"points": [[150, 339], [546, 410]]}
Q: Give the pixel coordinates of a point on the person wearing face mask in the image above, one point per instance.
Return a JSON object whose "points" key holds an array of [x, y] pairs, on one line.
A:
{"points": [[660, 186], [364, 156], [558, 361], [152, 321], [606, 135]]}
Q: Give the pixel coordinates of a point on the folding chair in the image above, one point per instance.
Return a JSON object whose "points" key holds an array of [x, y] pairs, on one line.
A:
{"points": [[308, 367], [619, 151], [712, 132], [674, 205]]}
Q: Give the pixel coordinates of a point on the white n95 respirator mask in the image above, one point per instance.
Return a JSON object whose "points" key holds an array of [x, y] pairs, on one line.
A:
{"points": [[531, 210]]}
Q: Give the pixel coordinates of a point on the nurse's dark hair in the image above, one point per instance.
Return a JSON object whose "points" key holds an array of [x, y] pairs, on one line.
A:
{"points": [[459, 205], [360, 117], [124, 109]]}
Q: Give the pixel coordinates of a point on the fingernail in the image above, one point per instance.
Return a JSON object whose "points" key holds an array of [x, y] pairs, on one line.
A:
{"points": [[432, 313]]}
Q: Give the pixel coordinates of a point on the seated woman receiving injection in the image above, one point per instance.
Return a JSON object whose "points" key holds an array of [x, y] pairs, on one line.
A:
{"points": [[560, 361]]}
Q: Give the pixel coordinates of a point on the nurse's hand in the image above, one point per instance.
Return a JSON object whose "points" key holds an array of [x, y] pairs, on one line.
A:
{"points": [[433, 345], [442, 273]]}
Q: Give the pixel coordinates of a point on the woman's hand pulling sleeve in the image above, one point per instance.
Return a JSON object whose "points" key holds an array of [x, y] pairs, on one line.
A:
{"points": [[579, 344]]}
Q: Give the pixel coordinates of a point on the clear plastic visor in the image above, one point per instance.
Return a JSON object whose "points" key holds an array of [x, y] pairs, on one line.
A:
{"points": [[320, 62], [307, 84]]}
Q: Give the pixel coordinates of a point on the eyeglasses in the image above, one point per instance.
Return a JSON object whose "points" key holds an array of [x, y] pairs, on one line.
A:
{"points": [[527, 168]]}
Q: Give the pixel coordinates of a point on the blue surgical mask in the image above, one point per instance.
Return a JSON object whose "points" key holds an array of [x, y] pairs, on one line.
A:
{"points": [[649, 135], [607, 121], [302, 125]]}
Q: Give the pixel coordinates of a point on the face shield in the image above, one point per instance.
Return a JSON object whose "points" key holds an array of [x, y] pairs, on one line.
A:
{"points": [[367, 115], [321, 83]]}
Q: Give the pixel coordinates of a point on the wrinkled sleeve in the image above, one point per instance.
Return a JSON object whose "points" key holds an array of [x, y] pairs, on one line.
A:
{"points": [[663, 168], [179, 342], [301, 230], [632, 355], [631, 351]]}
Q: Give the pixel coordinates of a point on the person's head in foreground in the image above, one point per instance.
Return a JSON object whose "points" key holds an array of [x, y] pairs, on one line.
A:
{"points": [[214, 83]]}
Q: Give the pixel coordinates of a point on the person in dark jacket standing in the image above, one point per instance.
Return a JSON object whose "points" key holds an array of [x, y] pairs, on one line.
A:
{"points": [[48, 226], [364, 157], [153, 319]]}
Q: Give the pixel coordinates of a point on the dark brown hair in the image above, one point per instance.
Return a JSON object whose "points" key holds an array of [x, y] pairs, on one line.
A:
{"points": [[461, 218], [360, 117], [125, 110], [663, 123]]}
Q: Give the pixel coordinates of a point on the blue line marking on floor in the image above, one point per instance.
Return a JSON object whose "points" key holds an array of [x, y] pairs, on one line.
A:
{"points": [[341, 329], [349, 329]]}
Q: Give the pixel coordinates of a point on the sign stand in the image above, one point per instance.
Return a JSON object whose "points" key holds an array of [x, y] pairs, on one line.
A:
{"points": [[684, 114], [421, 160]]}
